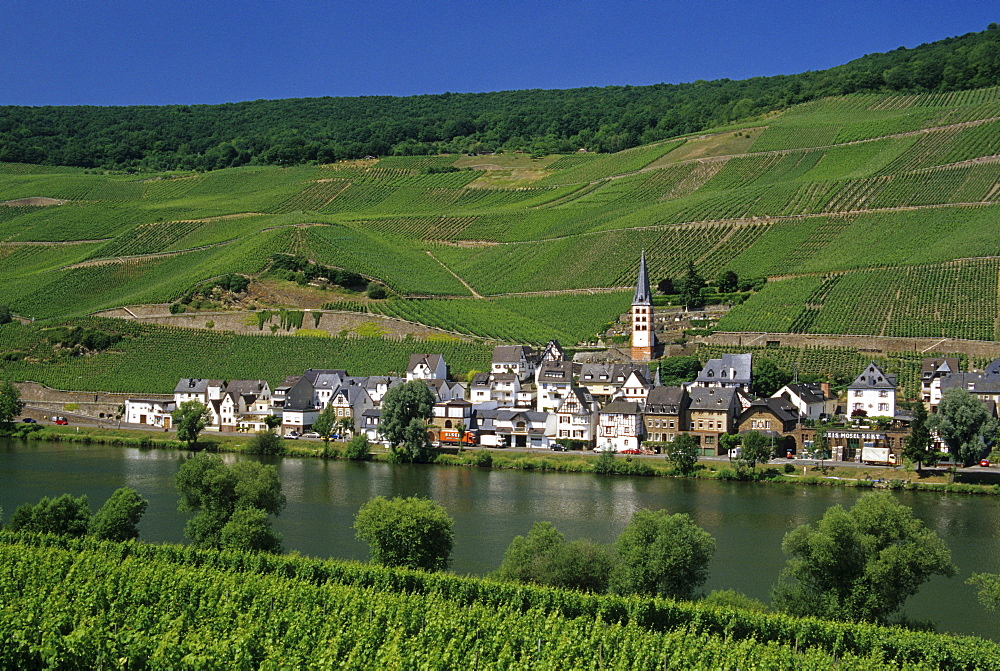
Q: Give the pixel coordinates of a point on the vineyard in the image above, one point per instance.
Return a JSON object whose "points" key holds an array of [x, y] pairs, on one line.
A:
{"points": [[86, 604], [871, 213], [150, 359]]}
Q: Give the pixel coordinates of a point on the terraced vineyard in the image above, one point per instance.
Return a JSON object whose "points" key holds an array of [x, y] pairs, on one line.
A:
{"points": [[871, 214]]}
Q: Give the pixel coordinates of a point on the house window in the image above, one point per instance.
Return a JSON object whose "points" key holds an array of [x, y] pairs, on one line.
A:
{"points": [[671, 424], [884, 393], [709, 440], [701, 425], [859, 406], [883, 407], [857, 392]]}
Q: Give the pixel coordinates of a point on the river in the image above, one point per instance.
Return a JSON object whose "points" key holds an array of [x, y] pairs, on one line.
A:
{"points": [[490, 507]]}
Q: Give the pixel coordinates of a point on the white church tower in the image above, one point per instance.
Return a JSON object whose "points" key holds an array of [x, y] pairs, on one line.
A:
{"points": [[643, 338]]}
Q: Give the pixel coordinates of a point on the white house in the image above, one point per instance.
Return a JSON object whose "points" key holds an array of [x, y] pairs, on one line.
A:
{"points": [[872, 393], [576, 416], [932, 372], [521, 428], [152, 412], [635, 388], [732, 370], [619, 426], [504, 388], [517, 359], [426, 367], [812, 400], [480, 389], [553, 380]]}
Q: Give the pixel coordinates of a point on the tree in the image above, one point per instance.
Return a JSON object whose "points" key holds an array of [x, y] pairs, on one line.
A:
{"points": [[412, 533], [5, 315], [962, 421], [214, 492], [265, 442], [190, 418], [249, 530], [755, 448], [345, 426], [727, 282], [324, 425], [690, 289], [11, 404], [919, 447], [821, 445], [545, 558], [859, 564], [405, 411], [63, 515], [272, 421], [989, 589], [676, 370], [461, 430], [118, 519], [683, 452], [660, 554], [358, 449], [768, 377], [666, 286]]}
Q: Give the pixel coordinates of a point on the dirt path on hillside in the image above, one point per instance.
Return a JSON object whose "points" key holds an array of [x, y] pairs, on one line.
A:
{"points": [[468, 286]]}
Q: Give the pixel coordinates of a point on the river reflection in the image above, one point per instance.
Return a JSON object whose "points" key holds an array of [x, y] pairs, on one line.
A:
{"points": [[491, 507]]}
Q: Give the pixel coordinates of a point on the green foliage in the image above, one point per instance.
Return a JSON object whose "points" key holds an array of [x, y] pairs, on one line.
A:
{"points": [[376, 291], [315, 606], [412, 533], [683, 452], [189, 419], [768, 377], [406, 409], [63, 515], [690, 288], [118, 519], [661, 554], [859, 564], [265, 442], [325, 423], [544, 557], [919, 448], [214, 492], [249, 529], [755, 448], [11, 404], [5, 315], [963, 423], [730, 598], [358, 448], [989, 589], [677, 370]]}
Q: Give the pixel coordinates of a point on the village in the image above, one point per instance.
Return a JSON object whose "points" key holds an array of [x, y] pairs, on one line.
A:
{"points": [[540, 399]]}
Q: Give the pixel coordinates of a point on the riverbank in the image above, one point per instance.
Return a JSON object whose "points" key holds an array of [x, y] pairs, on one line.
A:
{"points": [[800, 473]]}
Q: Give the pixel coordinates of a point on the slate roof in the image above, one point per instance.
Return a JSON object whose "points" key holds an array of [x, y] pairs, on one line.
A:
{"points": [[288, 383], [873, 378], [512, 353], [430, 360], [555, 371], [245, 387], [976, 383], [710, 398], [931, 367], [195, 385], [731, 368], [643, 294], [809, 392], [312, 373], [779, 407], [666, 400], [621, 408], [579, 395]]}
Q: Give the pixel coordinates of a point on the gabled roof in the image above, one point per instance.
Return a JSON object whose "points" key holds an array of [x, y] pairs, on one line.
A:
{"points": [[553, 351], [481, 380], [580, 396], [640, 379], [510, 414], [666, 400], [195, 385], [932, 366], [621, 408], [643, 294], [430, 360], [711, 398], [512, 353], [312, 373], [731, 369], [779, 407], [873, 378], [807, 392], [555, 371], [288, 383]]}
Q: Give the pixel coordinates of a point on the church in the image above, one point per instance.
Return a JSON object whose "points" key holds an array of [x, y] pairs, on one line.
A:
{"points": [[643, 322]]}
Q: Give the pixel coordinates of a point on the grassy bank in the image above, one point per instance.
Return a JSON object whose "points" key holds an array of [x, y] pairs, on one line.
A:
{"points": [[573, 462]]}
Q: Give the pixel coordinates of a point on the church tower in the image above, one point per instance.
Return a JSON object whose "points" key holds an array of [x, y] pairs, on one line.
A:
{"points": [[643, 337]]}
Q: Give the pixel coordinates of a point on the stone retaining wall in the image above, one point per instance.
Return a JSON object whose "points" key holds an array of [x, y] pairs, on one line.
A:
{"points": [[873, 344], [90, 404]]}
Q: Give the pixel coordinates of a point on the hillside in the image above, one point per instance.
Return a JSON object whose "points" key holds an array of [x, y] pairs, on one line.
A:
{"points": [[285, 132], [80, 603], [870, 214]]}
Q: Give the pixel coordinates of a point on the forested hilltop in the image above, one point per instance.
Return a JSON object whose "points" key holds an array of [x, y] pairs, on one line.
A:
{"points": [[609, 119]]}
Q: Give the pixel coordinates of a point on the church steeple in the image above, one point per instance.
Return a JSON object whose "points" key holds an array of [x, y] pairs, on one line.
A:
{"points": [[643, 319], [643, 295]]}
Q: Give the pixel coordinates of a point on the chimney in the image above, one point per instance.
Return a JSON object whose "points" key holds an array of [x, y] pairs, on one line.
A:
{"points": [[825, 388]]}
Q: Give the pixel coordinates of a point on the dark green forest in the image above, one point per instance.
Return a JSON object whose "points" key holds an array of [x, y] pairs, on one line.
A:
{"points": [[608, 119]]}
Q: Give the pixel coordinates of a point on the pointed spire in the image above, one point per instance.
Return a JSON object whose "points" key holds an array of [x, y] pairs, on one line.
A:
{"points": [[643, 295]]}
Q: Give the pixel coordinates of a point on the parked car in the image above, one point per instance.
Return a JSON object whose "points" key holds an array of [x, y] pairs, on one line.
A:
{"points": [[632, 450], [556, 447], [311, 434], [60, 420], [984, 462], [29, 420], [291, 435]]}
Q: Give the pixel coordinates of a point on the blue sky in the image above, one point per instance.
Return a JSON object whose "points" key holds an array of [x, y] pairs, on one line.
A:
{"points": [[130, 52]]}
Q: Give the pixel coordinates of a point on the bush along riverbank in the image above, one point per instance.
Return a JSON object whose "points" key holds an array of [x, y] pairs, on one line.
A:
{"points": [[824, 475]]}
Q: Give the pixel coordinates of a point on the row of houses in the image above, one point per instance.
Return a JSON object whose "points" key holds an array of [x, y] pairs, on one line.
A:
{"points": [[536, 399]]}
